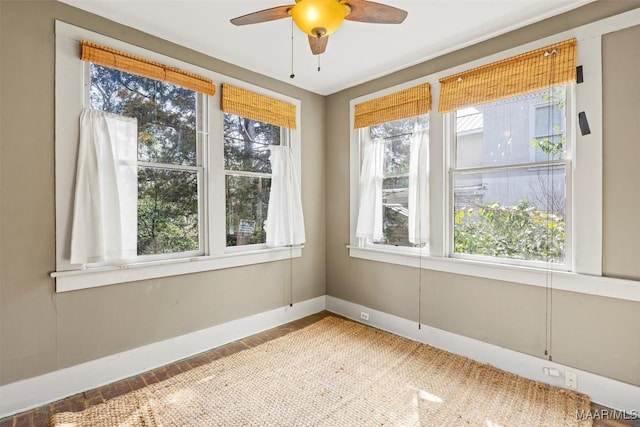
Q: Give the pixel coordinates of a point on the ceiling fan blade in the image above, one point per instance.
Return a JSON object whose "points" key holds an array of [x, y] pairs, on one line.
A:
{"points": [[263, 15], [318, 44], [376, 13]]}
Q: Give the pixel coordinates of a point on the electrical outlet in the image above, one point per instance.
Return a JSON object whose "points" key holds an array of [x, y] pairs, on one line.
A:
{"points": [[571, 379], [364, 316]]}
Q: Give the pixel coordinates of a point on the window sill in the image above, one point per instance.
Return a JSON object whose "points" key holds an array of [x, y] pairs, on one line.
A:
{"points": [[90, 278], [558, 280]]}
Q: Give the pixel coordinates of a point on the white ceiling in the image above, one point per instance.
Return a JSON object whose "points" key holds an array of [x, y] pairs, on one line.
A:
{"points": [[356, 52]]}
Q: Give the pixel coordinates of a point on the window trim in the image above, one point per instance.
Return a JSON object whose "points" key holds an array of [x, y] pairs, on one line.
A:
{"points": [[71, 80], [586, 276], [109, 275], [559, 280]]}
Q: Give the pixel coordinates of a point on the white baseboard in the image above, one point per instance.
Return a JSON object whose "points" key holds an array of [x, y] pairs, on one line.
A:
{"points": [[33, 392], [605, 391]]}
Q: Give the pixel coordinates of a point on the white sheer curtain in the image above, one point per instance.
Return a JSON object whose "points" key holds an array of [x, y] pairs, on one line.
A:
{"points": [[370, 207], [105, 207], [419, 188], [285, 221]]}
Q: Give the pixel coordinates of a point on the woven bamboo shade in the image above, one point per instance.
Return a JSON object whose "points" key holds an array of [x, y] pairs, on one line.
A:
{"points": [[399, 105], [255, 106], [528, 72], [102, 55]]}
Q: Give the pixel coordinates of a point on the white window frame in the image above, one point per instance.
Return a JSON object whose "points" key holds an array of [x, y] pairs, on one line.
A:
{"points": [[71, 78], [586, 272]]}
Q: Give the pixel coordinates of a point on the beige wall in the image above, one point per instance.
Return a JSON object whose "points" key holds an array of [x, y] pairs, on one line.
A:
{"points": [[600, 335], [621, 106], [41, 331]]}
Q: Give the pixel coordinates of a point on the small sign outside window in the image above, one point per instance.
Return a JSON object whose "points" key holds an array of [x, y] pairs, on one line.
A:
{"points": [[247, 226]]}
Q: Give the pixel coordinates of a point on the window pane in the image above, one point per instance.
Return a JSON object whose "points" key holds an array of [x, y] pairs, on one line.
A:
{"points": [[399, 127], [246, 144], [547, 121], [167, 211], [247, 202], [166, 113], [395, 212], [242, 155], [511, 131], [396, 155], [245, 129], [518, 213]]}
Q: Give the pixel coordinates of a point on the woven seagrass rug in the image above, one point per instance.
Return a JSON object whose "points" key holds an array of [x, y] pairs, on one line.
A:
{"points": [[339, 373]]}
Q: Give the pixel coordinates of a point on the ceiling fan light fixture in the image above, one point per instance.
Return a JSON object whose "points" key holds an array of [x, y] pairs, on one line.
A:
{"points": [[318, 18]]}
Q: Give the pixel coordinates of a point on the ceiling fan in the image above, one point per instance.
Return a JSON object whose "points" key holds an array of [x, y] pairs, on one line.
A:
{"points": [[319, 18]]}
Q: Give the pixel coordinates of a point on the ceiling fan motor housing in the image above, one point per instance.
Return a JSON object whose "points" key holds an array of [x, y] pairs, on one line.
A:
{"points": [[318, 18]]}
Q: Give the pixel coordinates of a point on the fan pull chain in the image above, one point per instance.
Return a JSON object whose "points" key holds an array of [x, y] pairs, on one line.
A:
{"points": [[420, 243], [319, 62], [291, 275], [292, 75], [550, 234]]}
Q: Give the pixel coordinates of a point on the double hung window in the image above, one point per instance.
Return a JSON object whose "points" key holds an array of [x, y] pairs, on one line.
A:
{"points": [[170, 172], [247, 177], [262, 193], [393, 132], [508, 203], [400, 143], [510, 163]]}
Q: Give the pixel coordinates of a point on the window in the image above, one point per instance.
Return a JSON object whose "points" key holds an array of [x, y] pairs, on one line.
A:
{"points": [[505, 205], [396, 138], [198, 170], [391, 139], [510, 180], [247, 177], [554, 168], [170, 168]]}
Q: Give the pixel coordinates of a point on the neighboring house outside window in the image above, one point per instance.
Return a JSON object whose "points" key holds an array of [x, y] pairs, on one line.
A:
{"points": [[549, 125]]}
